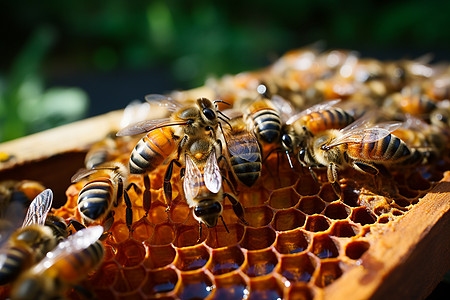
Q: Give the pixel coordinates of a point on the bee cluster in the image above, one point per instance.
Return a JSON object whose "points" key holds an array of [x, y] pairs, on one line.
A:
{"points": [[270, 191]]}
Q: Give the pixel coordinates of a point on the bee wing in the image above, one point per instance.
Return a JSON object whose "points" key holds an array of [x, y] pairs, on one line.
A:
{"points": [[12, 220], [163, 101], [133, 112], [318, 107], [148, 125], [366, 135], [192, 178], [82, 173], [39, 208], [213, 177], [246, 146], [284, 107], [77, 242]]}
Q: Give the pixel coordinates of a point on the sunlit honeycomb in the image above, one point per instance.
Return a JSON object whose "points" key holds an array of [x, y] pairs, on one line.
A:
{"points": [[300, 237]]}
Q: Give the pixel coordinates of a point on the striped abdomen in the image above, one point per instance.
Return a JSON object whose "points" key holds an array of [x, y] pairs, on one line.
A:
{"points": [[332, 118], [12, 261], [266, 121], [388, 149], [95, 199], [245, 161], [73, 267], [417, 105], [152, 150]]}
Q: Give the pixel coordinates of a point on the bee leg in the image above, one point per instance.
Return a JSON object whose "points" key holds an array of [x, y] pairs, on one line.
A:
{"points": [[119, 192], [76, 225], [167, 184], [147, 197], [233, 190], [109, 221], [199, 232], [332, 175], [128, 211], [225, 225], [237, 207], [136, 188]]}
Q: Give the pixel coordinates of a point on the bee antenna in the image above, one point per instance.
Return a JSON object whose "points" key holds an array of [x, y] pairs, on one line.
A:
{"points": [[225, 121], [223, 115], [221, 101], [289, 159], [226, 228]]}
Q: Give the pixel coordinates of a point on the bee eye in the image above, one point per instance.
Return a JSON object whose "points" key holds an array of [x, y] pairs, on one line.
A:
{"points": [[287, 141], [209, 114], [301, 154]]}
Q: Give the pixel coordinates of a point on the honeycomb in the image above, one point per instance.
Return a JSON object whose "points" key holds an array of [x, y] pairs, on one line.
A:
{"points": [[300, 237]]}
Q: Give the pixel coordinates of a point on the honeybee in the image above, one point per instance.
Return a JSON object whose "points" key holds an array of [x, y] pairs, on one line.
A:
{"points": [[23, 192], [33, 240], [202, 186], [318, 118], [104, 187], [362, 146], [101, 152], [244, 153], [192, 129], [411, 100], [62, 268]]}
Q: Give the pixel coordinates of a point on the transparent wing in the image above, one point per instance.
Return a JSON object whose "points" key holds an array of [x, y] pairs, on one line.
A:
{"points": [[135, 111], [213, 177], [284, 107], [245, 145], [13, 220], [192, 178], [367, 135], [77, 242], [82, 173], [39, 208], [318, 107], [163, 101]]}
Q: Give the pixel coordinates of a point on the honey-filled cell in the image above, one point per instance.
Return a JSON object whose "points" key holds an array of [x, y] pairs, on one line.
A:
{"points": [[250, 198], [186, 236], [298, 268], [225, 260], [283, 198], [164, 234], [157, 213], [106, 275], [130, 253], [142, 230], [292, 242], [179, 212], [160, 281], [288, 219], [258, 238], [191, 258], [159, 256], [230, 286], [260, 263], [219, 236], [258, 216], [197, 285]]}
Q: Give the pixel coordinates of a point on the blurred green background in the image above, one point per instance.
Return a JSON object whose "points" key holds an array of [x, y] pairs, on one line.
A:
{"points": [[66, 60]]}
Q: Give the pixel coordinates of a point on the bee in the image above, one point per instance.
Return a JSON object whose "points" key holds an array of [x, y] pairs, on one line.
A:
{"points": [[104, 187], [101, 152], [244, 153], [364, 147], [23, 192], [314, 120], [62, 268], [192, 129], [440, 117], [411, 100], [202, 186], [38, 235]]}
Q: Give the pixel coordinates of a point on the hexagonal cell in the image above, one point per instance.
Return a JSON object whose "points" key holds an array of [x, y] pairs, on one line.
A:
{"points": [[231, 286], [288, 219], [278, 180], [344, 229], [337, 211], [323, 246], [311, 205], [226, 260], [363, 216], [219, 237], [191, 258], [157, 213], [327, 193], [298, 267], [415, 181], [307, 186], [258, 238], [159, 256], [160, 281], [350, 193], [355, 249], [317, 223], [142, 230], [329, 271], [130, 253], [197, 285], [189, 235], [120, 231], [164, 234], [267, 288], [292, 242], [300, 291], [260, 262], [258, 216], [283, 198], [130, 279], [179, 212], [106, 275], [250, 198]]}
